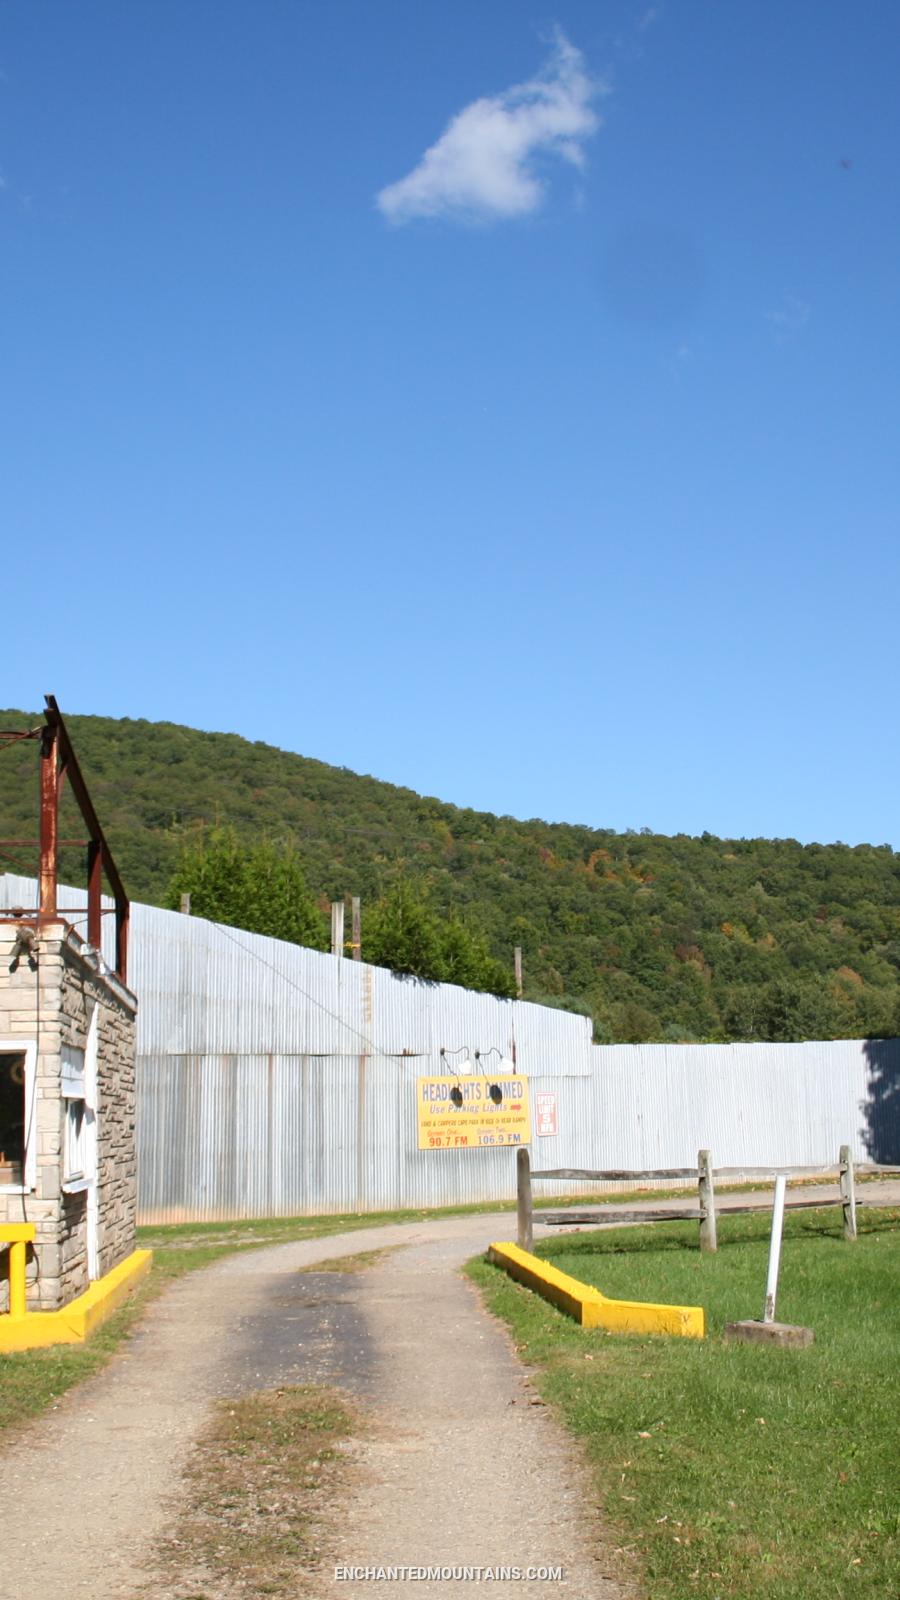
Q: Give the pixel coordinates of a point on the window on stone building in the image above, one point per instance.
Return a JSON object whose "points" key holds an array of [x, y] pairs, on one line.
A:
{"points": [[12, 1118], [74, 1162], [72, 1088], [18, 1089]]}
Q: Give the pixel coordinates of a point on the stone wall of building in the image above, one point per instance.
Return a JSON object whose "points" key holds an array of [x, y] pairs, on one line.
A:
{"points": [[117, 1145], [47, 997]]}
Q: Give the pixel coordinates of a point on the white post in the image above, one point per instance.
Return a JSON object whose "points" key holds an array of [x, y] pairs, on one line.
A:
{"points": [[775, 1248], [337, 927]]}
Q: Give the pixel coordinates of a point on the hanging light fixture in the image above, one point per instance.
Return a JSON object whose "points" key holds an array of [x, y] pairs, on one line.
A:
{"points": [[456, 1094], [494, 1090]]}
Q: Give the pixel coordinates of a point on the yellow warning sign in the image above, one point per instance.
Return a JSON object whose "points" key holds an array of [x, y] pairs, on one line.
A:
{"points": [[472, 1113]]}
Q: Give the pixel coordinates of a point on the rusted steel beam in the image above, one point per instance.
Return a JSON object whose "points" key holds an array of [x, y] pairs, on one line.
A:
{"points": [[34, 844], [69, 760], [95, 891], [123, 917], [49, 842], [58, 761], [70, 911], [85, 804]]}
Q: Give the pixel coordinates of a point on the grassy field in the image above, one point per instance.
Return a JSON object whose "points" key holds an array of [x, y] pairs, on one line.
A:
{"points": [[730, 1470]]}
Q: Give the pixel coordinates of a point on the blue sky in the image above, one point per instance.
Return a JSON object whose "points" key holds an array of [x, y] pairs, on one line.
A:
{"points": [[500, 401]]}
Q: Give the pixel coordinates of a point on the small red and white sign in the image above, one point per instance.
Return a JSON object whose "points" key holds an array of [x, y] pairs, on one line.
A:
{"points": [[545, 1110]]}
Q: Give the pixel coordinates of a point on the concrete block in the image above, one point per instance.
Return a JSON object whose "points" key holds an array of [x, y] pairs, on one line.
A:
{"points": [[781, 1335], [49, 1182], [50, 1261]]}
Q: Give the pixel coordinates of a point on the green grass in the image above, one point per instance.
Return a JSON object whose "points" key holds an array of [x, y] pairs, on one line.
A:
{"points": [[732, 1470], [31, 1381]]}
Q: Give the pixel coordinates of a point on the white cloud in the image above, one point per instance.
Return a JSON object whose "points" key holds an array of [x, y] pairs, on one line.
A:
{"points": [[790, 319], [483, 163]]}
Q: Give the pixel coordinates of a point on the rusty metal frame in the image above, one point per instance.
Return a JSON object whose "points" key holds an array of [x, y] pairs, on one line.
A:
{"points": [[58, 762]]}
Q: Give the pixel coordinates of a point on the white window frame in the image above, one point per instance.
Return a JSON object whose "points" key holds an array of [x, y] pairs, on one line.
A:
{"points": [[74, 1143], [75, 1177], [28, 1049]]}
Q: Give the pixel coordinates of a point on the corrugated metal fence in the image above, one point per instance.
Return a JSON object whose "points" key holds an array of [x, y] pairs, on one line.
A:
{"points": [[274, 1080]]}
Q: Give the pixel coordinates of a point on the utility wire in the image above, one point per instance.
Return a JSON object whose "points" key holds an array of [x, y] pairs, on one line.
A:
{"points": [[292, 984], [248, 951]]}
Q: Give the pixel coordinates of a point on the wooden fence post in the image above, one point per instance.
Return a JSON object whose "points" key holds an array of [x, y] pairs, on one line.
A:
{"points": [[848, 1192], [525, 1233], [707, 1195]]}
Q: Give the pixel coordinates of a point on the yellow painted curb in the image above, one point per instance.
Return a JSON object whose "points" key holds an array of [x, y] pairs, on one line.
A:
{"points": [[591, 1308], [75, 1321]]}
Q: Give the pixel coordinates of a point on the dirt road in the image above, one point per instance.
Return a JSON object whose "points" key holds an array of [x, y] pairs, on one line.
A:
{"points": [[462, 1469]]}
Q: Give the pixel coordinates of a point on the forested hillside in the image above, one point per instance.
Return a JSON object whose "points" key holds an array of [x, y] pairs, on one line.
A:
{"points": [[655, 937]]}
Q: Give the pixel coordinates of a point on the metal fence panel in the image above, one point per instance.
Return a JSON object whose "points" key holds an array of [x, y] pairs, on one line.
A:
{"points": [[224, 1136], [273, 1080], [207, 989]]}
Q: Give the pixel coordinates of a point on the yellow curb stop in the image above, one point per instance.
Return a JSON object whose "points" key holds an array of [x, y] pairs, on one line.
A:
{"points": [[591, 1308], [31, 1330]]}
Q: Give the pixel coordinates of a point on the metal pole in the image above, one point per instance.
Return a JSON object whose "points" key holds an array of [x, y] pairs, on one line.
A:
{"points": [[337, 927], [17, 1252], [775, 1248], [49, 821], [524, 1235], [123, 915]]}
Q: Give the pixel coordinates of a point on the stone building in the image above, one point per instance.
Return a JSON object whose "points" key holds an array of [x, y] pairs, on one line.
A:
{"points": [[67, 1069], [67, 1147]]}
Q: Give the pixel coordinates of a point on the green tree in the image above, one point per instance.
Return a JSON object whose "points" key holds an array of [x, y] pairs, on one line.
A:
{"points": [[466, 960], [404, 932], [692, 931], [401, 932], [260, 888]]}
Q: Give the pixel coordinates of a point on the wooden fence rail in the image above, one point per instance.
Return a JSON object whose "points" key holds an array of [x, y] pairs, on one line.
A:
{"points": [[704, 1175]]}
